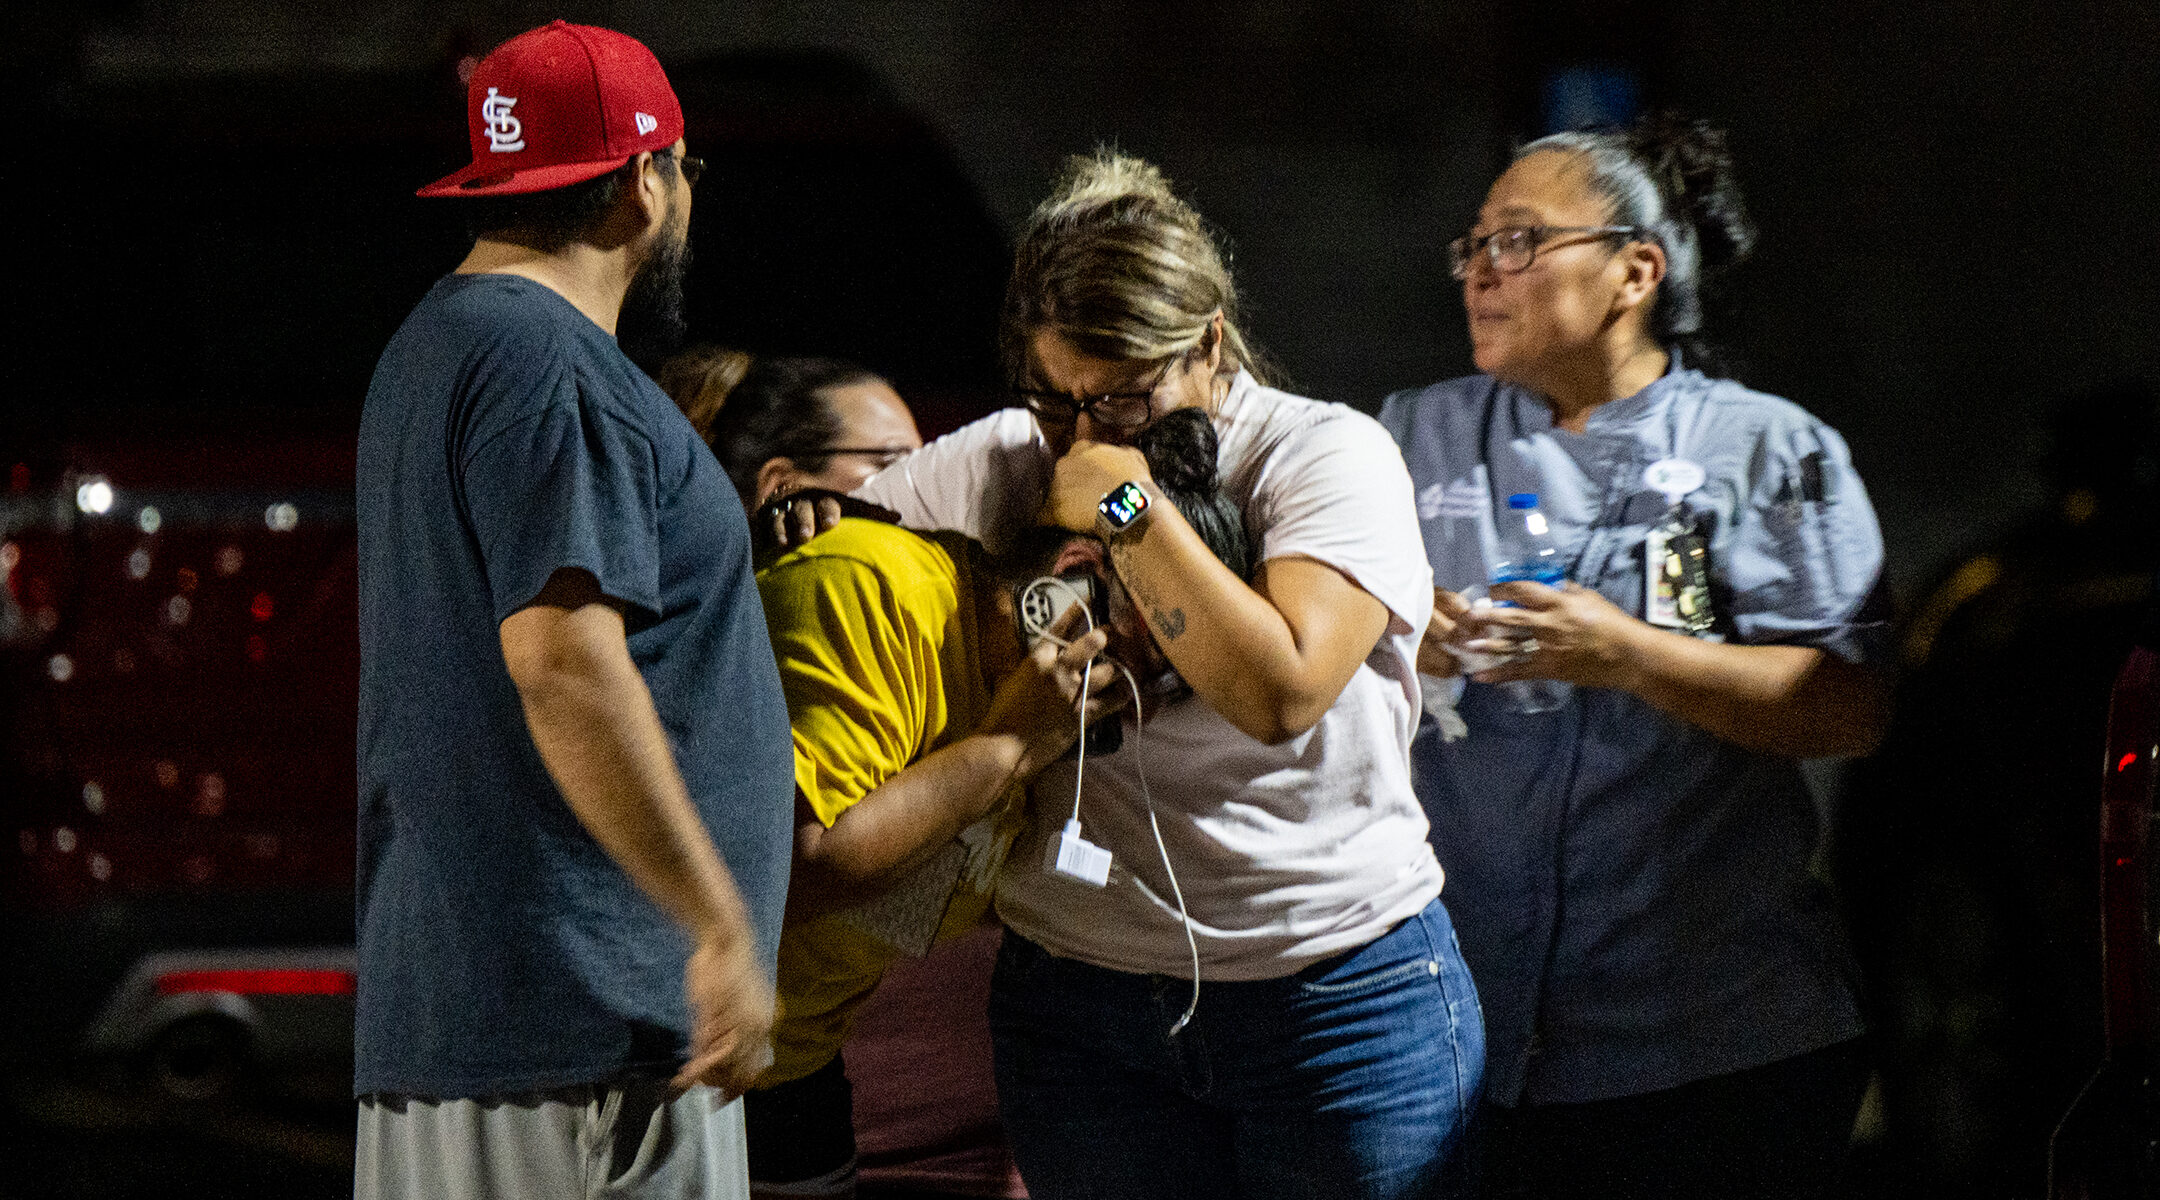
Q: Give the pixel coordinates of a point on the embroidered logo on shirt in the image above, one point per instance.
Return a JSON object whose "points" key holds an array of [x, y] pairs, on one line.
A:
{"points": [[1461, 500]]}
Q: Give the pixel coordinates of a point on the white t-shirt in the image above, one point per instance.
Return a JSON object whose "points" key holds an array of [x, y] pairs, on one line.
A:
{"points": [[1287, 854]]}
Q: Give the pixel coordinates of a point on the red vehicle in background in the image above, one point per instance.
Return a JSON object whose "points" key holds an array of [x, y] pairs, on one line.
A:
{"points": [[2108, 1143], [178, 659], [177, 637]]}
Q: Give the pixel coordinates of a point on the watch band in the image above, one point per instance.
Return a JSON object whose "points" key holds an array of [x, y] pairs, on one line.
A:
{"points": [[1122, 511]]}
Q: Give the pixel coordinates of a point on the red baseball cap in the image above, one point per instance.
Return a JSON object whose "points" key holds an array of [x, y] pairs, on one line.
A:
{"points": [[560, 105]]}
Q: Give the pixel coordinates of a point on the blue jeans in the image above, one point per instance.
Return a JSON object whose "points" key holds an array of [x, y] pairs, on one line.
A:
{"points": [[1355, 1077]]}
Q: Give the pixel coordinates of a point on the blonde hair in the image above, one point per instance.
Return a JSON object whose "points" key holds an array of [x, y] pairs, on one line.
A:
{"points": [[699, 379], [1123, 269]]}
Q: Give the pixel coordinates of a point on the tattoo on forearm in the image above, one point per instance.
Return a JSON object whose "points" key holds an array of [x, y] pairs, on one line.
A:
{"points": [[1169, 624]]}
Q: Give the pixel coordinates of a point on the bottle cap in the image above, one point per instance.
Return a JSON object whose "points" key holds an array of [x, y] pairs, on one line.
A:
{"points": [[1522, 500]]}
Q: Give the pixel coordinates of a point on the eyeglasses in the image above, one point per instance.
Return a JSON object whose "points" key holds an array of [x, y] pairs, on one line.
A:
{"points": [[1120, 410], [884, 456], [690, 165], [1513, 248]]}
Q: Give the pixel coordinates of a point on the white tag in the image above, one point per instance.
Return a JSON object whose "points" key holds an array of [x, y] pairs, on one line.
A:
{"points": [[1674, 478], [1661, 583]]}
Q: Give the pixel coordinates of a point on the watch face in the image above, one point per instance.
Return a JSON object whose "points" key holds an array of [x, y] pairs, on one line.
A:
{"points": [[1124, 503]]}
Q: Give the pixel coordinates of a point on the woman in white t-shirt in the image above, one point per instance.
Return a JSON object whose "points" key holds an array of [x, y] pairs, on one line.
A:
{"points": [[1336, 1046]]}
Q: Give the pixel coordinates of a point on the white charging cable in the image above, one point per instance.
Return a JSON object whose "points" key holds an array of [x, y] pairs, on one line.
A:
{"points": [[1192, 943], [1037, 614], [1072, 854]]}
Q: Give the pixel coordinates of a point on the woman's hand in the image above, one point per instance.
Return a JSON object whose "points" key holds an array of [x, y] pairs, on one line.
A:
{"points": [[793, 520], [1038, 702], [1569, 632], [1791, 701], [787, 521], [1448, 610], [1084, 476]]}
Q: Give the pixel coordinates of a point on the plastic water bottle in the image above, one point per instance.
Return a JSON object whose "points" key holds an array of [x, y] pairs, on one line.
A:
{"points": [[1527, 552]]}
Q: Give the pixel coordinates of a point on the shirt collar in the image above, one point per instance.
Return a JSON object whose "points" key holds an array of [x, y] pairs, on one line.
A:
{"points": [[1242, 387], [1618, 414]]}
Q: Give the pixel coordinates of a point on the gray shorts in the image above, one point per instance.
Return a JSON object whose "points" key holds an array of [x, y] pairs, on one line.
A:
{"points": [[621, 1139]]}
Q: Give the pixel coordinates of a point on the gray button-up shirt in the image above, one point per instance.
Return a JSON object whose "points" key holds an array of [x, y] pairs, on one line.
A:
{"points": [[1632, 893]]}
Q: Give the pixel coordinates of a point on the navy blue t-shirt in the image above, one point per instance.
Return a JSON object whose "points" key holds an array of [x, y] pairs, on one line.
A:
{"points": [[501, 948]]}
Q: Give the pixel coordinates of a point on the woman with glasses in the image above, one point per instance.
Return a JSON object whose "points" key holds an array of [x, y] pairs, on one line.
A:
{"points": [[784, 425], [1668, 999], [1262, 996]]}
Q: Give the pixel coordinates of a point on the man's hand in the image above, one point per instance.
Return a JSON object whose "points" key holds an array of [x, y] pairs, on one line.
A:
{"points": [[1038, 702], [593, 722], [1569, 632], [731, 1018], [1085, 475], [1448, 610]]}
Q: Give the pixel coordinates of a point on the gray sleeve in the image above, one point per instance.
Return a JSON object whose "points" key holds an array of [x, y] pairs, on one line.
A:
{"points": [[1806, 556]]}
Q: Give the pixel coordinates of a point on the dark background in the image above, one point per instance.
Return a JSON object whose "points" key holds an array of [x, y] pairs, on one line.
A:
{"points": [[1959, 268], [1957, 198]]}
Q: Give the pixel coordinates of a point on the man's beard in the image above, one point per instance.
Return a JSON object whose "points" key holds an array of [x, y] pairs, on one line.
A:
{"points": [[651, 326]]}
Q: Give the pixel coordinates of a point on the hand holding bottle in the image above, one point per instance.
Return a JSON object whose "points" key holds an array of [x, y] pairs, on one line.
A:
{"points": [[1568, 635], [1528, 554]]}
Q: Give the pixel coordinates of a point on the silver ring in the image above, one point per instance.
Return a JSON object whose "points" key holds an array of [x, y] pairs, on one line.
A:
{"points": [[1529, 646]]}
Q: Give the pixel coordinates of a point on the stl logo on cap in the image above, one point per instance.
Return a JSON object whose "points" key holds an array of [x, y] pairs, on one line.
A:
{"points": [[560, 105], [504, 132]]}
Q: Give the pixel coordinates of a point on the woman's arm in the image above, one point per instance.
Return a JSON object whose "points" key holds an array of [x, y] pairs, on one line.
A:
{"points": [[1793, 701], [899, 824], [1273, 657]]}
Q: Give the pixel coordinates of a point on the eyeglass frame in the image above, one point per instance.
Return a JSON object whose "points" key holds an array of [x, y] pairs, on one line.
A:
{"points": [[689, 166], [886, 455], [1067, 412], [1462, 251]]}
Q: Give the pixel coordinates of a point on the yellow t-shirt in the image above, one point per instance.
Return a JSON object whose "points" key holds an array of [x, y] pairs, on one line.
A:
{"points": [[875, 634]]}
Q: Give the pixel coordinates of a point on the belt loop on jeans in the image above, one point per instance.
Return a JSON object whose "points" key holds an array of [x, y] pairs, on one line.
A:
{"points": [[1432, 948]]}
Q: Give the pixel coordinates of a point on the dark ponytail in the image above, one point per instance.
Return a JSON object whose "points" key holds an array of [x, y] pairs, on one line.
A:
{"points": [[1673, 176]]}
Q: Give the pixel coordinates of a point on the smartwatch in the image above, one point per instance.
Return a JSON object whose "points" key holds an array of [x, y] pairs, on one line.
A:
{"points": [[1122, 510]]}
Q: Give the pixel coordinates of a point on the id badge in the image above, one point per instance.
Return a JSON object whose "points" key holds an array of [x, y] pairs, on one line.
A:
{"points": [[1676, 577]]}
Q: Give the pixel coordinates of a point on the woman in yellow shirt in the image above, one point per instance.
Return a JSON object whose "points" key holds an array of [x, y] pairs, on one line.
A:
{"points": [[888, 643]]}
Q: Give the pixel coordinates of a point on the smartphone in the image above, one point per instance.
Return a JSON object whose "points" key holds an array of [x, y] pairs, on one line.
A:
{"points": [[1040, 608]]}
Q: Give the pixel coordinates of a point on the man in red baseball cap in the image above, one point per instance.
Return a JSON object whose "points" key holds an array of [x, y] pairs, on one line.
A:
{"points": [[574, 761]]}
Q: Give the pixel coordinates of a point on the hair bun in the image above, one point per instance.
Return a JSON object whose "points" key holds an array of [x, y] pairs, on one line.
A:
{"points": [[1180, 449], [1122, 269], [1692, 164], [1107, 176]]}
